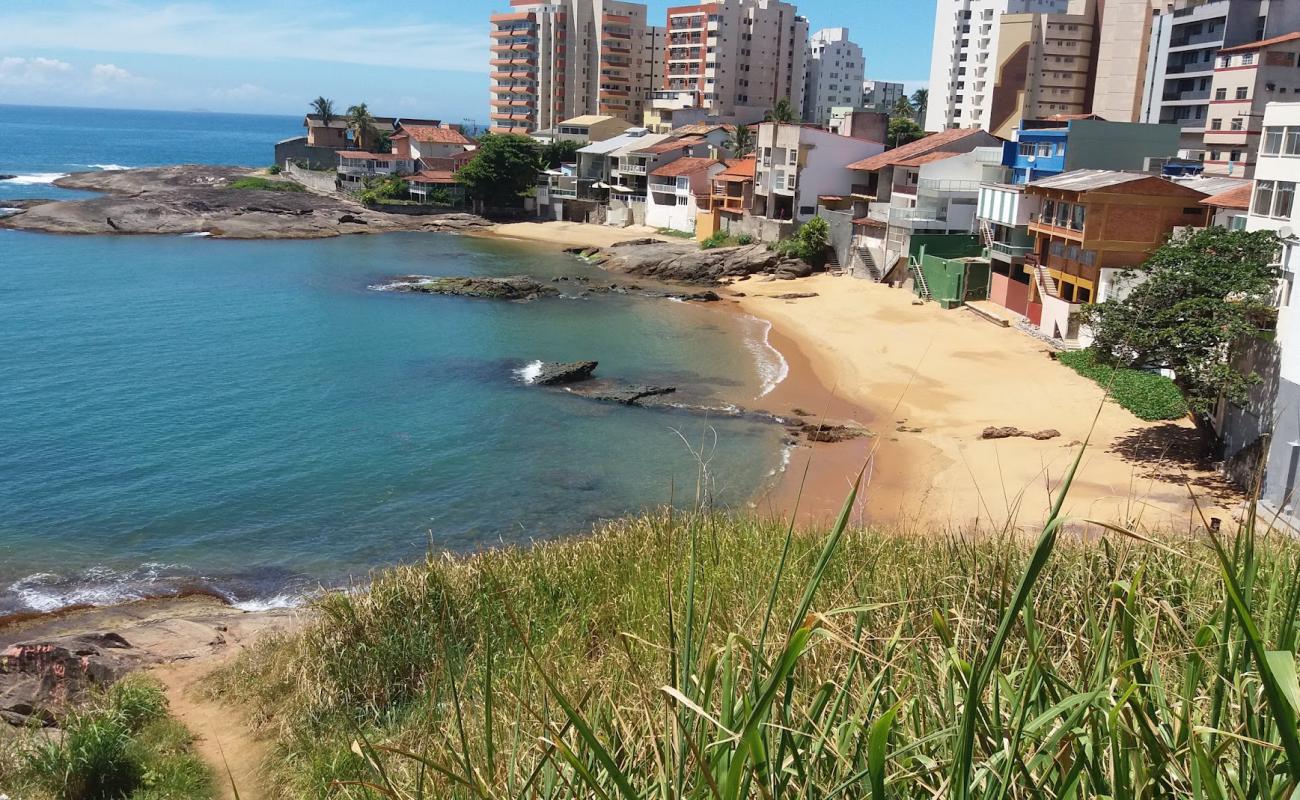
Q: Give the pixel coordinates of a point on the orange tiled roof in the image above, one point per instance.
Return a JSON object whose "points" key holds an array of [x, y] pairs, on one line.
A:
{"points": [[738, 170], [428, 133], [684, 166], [1249, 46], [1236, 198], [912, 150], [433, 176]]}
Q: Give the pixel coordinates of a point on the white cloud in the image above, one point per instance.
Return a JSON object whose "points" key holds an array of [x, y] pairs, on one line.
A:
{"points": [[290, 29], [106, 74], [16, 71], [244, 91]]}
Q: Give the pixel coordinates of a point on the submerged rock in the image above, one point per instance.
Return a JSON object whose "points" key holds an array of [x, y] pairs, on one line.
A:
{"points": [[628, 394], [552, 373], [517, 287]]}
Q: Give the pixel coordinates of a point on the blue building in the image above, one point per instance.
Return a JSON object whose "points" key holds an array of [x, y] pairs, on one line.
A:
{"points": [[1046, 147]]}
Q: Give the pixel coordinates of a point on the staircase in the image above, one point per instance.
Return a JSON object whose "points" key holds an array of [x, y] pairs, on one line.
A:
{"points": [[869, 264], [919, 275], [986, 233], [1046, 283], [833, 265]]}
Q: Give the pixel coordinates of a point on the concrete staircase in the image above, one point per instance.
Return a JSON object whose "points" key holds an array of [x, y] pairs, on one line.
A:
{"points": [[833, 265], [1046, 283], [869, 264]]}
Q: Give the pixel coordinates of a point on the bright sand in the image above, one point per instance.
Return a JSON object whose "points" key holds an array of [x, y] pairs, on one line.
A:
{"points": [[943, 376], [577, 234]]}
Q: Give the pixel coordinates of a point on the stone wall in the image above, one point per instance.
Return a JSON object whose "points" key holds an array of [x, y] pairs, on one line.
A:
{"points": [[316, 181]]}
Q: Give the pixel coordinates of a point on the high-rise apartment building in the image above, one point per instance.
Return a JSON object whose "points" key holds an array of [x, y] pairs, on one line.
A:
{"points": [[881, 95], [1123, 42], [1246, 79], [556, 59], [1044, 68], [1185, 40], [836, 70], [964, 58], [733, 58]]}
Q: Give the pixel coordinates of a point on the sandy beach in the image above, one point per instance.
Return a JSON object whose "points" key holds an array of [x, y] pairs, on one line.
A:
{"points": [[575, 234], [931, 380]]}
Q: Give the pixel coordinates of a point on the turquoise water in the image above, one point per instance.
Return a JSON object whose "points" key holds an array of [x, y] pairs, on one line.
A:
{"points": [[179, 411]]}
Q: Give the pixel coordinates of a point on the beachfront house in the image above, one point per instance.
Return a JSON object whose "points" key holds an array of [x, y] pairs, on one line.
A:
{"points": [[355, 167], [629, 180], [730, 196], [1090, 226], [797, 164], [582, 195], [428, 142], [927, 187], [677, 192]]}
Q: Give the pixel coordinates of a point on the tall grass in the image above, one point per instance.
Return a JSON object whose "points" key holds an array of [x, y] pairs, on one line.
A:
{"points": [[722, 657]]}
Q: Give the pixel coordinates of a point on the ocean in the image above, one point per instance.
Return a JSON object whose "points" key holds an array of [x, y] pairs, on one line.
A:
{"points": [[250, 418]]}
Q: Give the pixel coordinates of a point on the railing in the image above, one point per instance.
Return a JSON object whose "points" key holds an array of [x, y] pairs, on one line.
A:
{"points": [[1011, 250], [1190, 94], [943, 185], [1191, 66], [1055, 222], [904, 188], [635, 169]]}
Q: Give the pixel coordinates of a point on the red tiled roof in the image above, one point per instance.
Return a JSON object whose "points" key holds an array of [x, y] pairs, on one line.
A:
{"points": [[684, 166], [1249, 46], [738, 170], [364, 156], [926, 158], [911, 150], [433, 176], [1237, 198], [701, 128], [869, 222], [428, 133]]}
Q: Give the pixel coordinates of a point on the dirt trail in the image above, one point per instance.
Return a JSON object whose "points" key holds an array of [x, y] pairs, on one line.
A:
{"points": [[180, 642]]}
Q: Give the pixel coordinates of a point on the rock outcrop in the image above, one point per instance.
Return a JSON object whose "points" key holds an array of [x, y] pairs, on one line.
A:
{"points": [[516, 287], [197, 199], [993, 432], [687, 263], [559, 373], [628, 394]]}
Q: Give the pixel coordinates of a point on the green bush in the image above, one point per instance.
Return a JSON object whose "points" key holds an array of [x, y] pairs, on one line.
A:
{"points": [[121, 744], [719, 239], [385, 189], [265, 185], [808, 243], [1148, 395], [744, 239], [274, 169]]}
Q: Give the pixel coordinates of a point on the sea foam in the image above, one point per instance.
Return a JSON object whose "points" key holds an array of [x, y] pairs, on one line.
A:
{"points": [[529, 372], [35, 178], [108, 166], [772, 366]]}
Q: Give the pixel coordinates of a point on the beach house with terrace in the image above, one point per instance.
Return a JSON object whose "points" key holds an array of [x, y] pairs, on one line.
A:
{"points": [[630, 179], [930, 186], [1089, 226], [679, 190], [420, 142], [580, 195], [797, 164], [355, 167], [731, 193]]}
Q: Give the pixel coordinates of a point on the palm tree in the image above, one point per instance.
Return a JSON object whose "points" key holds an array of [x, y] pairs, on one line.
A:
{"points": [[782, 112], [903, 108], [324, 108], [361, 124], [741, 142], [920, 99]]}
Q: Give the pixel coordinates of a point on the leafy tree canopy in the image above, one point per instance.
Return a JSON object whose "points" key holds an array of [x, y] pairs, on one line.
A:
{"points": [[903, 130], [1202, 296], [741, 142], [504, 167], [783, 111], [559, 152]]}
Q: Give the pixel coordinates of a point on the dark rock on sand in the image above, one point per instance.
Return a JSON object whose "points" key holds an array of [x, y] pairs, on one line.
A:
{"points": [[794, 295], [992, 432], [518, 287], [557, 373], [830, 433]]}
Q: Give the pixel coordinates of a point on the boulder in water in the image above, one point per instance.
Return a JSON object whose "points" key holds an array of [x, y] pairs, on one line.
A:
{"points": [[558, 373], [517, 287]]}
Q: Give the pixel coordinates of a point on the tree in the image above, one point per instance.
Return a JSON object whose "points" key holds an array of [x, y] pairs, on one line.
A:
{"points": [[903, 109], [1203, 297], [324, 108], [504, 167], [808, 243], [903, 130], [361, 124], [782, 112], [741, 142], [920, 99], [559, 152]]}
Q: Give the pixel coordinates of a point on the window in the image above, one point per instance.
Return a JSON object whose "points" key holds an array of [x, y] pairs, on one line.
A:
{"points": [[1235, 155], [1088, 258], [1049, 211], [1223, 62], [1057, 249], [1076, 221], [1216, 124], [1263, 204], [1248, 59], [1214, 155], [1045, 149], [1238, 123], [1285, 199], [1272, 142], [1072, 252], [1241, 92], [1291, 142]]}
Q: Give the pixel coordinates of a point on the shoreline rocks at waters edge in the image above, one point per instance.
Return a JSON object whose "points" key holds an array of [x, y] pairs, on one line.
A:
{"points": [[197, 199], [687, 263]]}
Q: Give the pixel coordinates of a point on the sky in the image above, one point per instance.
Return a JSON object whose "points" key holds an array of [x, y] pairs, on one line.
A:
{"points": [[427, 59]]}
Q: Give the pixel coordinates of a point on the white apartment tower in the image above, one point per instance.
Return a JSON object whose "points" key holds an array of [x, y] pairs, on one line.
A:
{"points": [[726, 56], [557, 59], [963, 61], [836, 71]]}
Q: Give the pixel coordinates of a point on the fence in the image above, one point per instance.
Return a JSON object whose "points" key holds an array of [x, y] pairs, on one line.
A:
{"points": [[312, 179]]}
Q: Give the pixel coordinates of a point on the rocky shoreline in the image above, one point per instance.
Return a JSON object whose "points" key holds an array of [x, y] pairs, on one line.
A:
{"points": [[687, 263], [198, 200]]}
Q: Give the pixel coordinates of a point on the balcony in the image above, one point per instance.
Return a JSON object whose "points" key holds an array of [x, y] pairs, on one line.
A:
{"points": [[1189, 96], [633, 168], [904, 188], [728, 202], [1056, 225], [1009, 252], [1192, 67]]}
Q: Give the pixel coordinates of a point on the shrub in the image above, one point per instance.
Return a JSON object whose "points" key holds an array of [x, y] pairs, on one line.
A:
{"points": [[265, 185], [1149, 395], [389, 187], [274, 169], [440, 197], [744, 239], [719, 239], [808, 243]]}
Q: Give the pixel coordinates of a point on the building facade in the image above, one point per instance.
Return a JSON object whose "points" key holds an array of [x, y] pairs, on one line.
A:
{"points": [[835, 73], [1182, 55], [881, 96], [1246, 79], [1043, 67], [1121, 58], [556, 59], [734, 58]]}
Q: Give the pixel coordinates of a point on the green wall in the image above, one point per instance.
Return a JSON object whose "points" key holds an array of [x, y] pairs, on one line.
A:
{"points": [[945, 245], [948, 279]]}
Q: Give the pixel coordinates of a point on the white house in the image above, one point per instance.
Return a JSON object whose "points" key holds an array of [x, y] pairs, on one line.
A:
{"points": [[429, 142], [629, 180], [355, 166], [677, 190], [797, 164]]}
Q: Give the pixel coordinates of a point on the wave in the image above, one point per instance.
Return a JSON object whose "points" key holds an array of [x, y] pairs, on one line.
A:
{"points": [[5, 211], [529, 372], [35, 178], [772, 366], [197, 234], [786, 451], [108, 166]]}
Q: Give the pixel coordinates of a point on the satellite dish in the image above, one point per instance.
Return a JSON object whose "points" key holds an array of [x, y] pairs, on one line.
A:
{"points": [[1285, 232]]}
